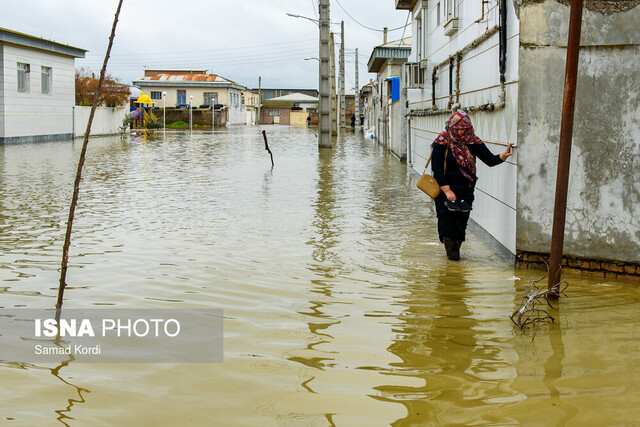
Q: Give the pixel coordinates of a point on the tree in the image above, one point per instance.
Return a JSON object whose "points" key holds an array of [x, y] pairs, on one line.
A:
{"points": [[113, 93]]}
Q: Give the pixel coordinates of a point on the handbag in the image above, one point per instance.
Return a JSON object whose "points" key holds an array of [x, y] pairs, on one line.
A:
{"points": [[427, 183]]}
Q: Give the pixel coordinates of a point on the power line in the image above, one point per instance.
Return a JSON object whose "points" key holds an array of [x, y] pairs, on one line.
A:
{"points": [[362, 25], [141, 54]]}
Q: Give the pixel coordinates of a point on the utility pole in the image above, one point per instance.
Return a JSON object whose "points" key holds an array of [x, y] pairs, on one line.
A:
{"points": [[342, 112], [564, 149], [259, 97], [357, 97], [334, 106], [324, 104]]}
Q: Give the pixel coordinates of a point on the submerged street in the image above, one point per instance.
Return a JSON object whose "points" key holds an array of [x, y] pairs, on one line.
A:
{"points": [[340, 307]]}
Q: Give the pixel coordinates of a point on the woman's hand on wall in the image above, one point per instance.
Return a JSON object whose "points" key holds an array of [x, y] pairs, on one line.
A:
{"points": [[507, 153]]}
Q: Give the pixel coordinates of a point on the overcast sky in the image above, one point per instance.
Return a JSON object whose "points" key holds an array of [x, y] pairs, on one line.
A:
{"points": [[238, 39]]}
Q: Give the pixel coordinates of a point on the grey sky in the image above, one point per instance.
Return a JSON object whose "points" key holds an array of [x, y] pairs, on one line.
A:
{"points": [[238, 39]]}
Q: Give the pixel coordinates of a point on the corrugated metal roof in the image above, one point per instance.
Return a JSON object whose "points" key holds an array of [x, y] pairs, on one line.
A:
{"points": [[188, 78], [399, 49]]}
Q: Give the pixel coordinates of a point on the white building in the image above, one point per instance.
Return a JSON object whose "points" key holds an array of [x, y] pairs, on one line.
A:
{"points": [[388, 112], [37, 88], [195, 88]]}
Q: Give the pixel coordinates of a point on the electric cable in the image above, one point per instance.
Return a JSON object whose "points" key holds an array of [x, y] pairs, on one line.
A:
{"points": [[362, 25]]}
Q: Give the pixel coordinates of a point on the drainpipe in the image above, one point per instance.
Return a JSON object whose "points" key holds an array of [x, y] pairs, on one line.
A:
{"points": [[502, 36], [564, 150], [433, 87]]}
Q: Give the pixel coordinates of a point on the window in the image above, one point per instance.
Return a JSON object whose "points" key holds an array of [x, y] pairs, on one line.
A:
{"points": [[450, 9], [23, 77], [156, 95], [182, 97], [438, 14], [210, 98], [414, 75], [274, 113], [46, 80]]}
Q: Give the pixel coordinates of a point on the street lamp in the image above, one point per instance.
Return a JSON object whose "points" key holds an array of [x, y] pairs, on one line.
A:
{"points": [[313, 57], [164, 114], [191, 113]]}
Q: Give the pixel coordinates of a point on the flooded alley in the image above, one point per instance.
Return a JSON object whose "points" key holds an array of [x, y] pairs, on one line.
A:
{"points": [[340, 307]]}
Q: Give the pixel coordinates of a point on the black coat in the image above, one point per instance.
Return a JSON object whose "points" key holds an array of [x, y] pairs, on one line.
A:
{"points": [[460, 185]]}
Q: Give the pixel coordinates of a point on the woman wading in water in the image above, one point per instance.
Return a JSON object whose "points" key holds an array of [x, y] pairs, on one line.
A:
{"points": [[457, 178]]}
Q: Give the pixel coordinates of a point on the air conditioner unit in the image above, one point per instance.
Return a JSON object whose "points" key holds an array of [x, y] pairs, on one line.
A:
{"points": [[451, 26]]}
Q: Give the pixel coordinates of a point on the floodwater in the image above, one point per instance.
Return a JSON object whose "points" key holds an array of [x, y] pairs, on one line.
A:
{"points": [[340, 307]]}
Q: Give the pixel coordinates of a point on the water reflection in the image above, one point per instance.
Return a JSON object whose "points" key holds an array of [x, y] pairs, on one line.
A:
{"points": [[340, 305], [326, 264]]}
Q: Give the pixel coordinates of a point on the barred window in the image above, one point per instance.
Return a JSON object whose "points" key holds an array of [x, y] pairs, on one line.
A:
{"points": [[46, 80], [23, 77], [156, 94]]}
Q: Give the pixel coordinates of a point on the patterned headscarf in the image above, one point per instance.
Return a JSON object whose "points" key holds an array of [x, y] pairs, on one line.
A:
{"points": [[458, 143]]}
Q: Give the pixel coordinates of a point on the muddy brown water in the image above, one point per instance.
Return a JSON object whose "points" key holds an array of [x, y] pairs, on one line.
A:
{"points": [[340, 307]]}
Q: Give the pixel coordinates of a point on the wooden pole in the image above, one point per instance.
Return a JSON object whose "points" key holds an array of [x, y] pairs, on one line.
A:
{"points": [[266, 145], [83, 152], [564, 150]]}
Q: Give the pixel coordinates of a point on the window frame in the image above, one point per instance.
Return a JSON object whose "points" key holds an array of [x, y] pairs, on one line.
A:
{"points": [[46, 80], [24, 77]]}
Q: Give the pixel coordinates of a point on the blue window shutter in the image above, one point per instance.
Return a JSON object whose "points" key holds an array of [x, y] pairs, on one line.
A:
{"points": [[395, 89]]}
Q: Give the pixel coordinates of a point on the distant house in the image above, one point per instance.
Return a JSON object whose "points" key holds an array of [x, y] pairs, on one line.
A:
{"points": [[251, 103], [293, 108], [196, 89], [37, 92], [390, 124], [367, 100], [349, 105]]}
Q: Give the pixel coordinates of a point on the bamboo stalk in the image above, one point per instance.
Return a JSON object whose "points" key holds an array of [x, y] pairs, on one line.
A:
{"points": [[83, 152]]}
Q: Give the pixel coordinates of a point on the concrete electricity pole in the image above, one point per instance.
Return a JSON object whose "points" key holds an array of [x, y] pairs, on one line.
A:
{"points": [[342, 112], [357, 98], [334, 107], [324, 104]]}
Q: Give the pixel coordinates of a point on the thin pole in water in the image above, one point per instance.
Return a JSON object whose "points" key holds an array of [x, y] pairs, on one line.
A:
{"points": [[83, 152], [564, 150], [266, 146]]}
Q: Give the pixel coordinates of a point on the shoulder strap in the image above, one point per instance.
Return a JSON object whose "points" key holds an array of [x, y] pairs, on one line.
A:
{"points": [[445, 159]]}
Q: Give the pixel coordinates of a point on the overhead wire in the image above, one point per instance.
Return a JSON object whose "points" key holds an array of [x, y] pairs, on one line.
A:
{"points": [[362, 25]]}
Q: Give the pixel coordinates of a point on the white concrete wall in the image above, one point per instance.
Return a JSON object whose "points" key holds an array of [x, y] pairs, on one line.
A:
{"points": [[495, 206], [35, 114], [106, 121]]}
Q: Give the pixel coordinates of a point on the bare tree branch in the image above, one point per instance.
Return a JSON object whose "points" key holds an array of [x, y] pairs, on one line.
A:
{"points": [[528, 315]]}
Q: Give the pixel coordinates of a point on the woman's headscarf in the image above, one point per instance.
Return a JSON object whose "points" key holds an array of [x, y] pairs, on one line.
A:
{"points": [[458, 143]]}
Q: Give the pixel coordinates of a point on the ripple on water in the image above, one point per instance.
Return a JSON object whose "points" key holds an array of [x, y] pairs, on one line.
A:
{"points": [[339, 304]]}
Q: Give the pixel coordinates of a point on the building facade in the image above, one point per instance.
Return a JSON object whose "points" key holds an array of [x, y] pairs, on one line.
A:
{"points": [[37, 88], [288, 109], [389, 123], [195, 89], [504, 63]]}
